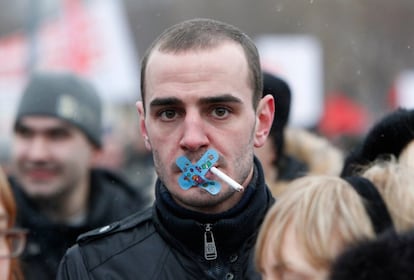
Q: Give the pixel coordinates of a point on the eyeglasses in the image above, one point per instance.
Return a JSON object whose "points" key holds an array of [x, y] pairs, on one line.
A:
{"points": [[12, 242]]}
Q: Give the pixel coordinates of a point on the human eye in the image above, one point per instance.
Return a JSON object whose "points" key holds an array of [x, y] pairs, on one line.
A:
{"points": [[220, 112], [12, 242], [168, 115], [24, 132]]}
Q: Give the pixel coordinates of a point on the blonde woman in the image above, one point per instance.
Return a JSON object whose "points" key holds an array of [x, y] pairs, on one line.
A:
{"points": [[313, 221], [12, 240]]}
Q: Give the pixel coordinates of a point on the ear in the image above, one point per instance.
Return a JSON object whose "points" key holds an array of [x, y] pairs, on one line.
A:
{"points": [[265, 113], [142, 126]]}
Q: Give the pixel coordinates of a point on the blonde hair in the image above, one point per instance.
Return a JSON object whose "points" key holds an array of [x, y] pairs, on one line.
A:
{"points": [[326, 214], [395, 183], [406, 156], [7, 199], [321, 156]]}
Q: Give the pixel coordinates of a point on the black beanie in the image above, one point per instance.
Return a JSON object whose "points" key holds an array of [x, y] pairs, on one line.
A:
{"points": [[65, 96], [389, 136]]}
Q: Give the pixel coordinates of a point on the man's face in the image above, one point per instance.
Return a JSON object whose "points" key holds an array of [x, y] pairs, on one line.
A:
{"points": [[197, 101], [50, 157]]}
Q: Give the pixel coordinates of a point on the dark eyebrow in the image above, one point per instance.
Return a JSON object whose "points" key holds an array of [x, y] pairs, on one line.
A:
{"points": [[225, 98], [64, 125], [165, 101], [19, 126]]}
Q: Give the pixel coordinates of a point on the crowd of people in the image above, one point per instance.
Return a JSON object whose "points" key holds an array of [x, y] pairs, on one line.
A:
{"points": [[301, 209]]}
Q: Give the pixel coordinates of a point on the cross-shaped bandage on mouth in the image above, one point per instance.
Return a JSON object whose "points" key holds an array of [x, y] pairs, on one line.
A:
{"points": [[194, 174]]}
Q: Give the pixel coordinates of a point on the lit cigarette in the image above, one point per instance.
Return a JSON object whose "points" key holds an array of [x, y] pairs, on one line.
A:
{"points": [[226, 179]]}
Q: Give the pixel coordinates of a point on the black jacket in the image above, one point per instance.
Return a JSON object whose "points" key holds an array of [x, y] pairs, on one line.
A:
{"points": [[168, 242], [111, 199]]}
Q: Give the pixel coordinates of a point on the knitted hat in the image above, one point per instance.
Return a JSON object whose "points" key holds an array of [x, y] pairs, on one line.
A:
{"points": [[64, 96], [389, 136]]}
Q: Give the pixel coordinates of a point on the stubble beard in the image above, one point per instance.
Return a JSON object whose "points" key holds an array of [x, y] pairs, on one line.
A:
{"points": [[197, 198]]}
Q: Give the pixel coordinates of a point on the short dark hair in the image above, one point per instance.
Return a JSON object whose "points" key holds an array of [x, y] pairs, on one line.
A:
{"points": [[203, 34]]}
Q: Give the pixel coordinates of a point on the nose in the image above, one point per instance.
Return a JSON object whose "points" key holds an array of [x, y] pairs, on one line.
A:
{"points": [[37, 149], [194, 135]]}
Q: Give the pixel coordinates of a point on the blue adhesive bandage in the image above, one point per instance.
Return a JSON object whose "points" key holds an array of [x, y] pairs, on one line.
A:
{"points": [[194, 174]]}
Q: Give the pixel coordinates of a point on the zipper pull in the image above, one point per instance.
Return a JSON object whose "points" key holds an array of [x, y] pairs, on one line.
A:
{"points": [[210, 251]]}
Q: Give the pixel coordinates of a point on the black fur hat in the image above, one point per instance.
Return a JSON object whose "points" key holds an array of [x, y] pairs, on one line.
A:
{"points": [[389, 136], [391, 256]]}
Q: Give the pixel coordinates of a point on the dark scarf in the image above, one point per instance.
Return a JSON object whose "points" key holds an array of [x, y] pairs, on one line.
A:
{"points": [[231, 229]]}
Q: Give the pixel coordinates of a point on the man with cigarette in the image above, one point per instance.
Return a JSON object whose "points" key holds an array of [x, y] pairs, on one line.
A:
{"points": [[201, 114]]}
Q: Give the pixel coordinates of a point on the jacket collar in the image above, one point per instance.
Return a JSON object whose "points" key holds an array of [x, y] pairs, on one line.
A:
{"points": [[230, 229]]}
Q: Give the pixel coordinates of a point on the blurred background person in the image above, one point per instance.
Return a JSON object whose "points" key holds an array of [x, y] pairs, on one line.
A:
{"points": [[391, 255], [314, 219], [277, 165], [317, 151], [12, 240], [386, 157], [290, 152], [59, 192]]}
